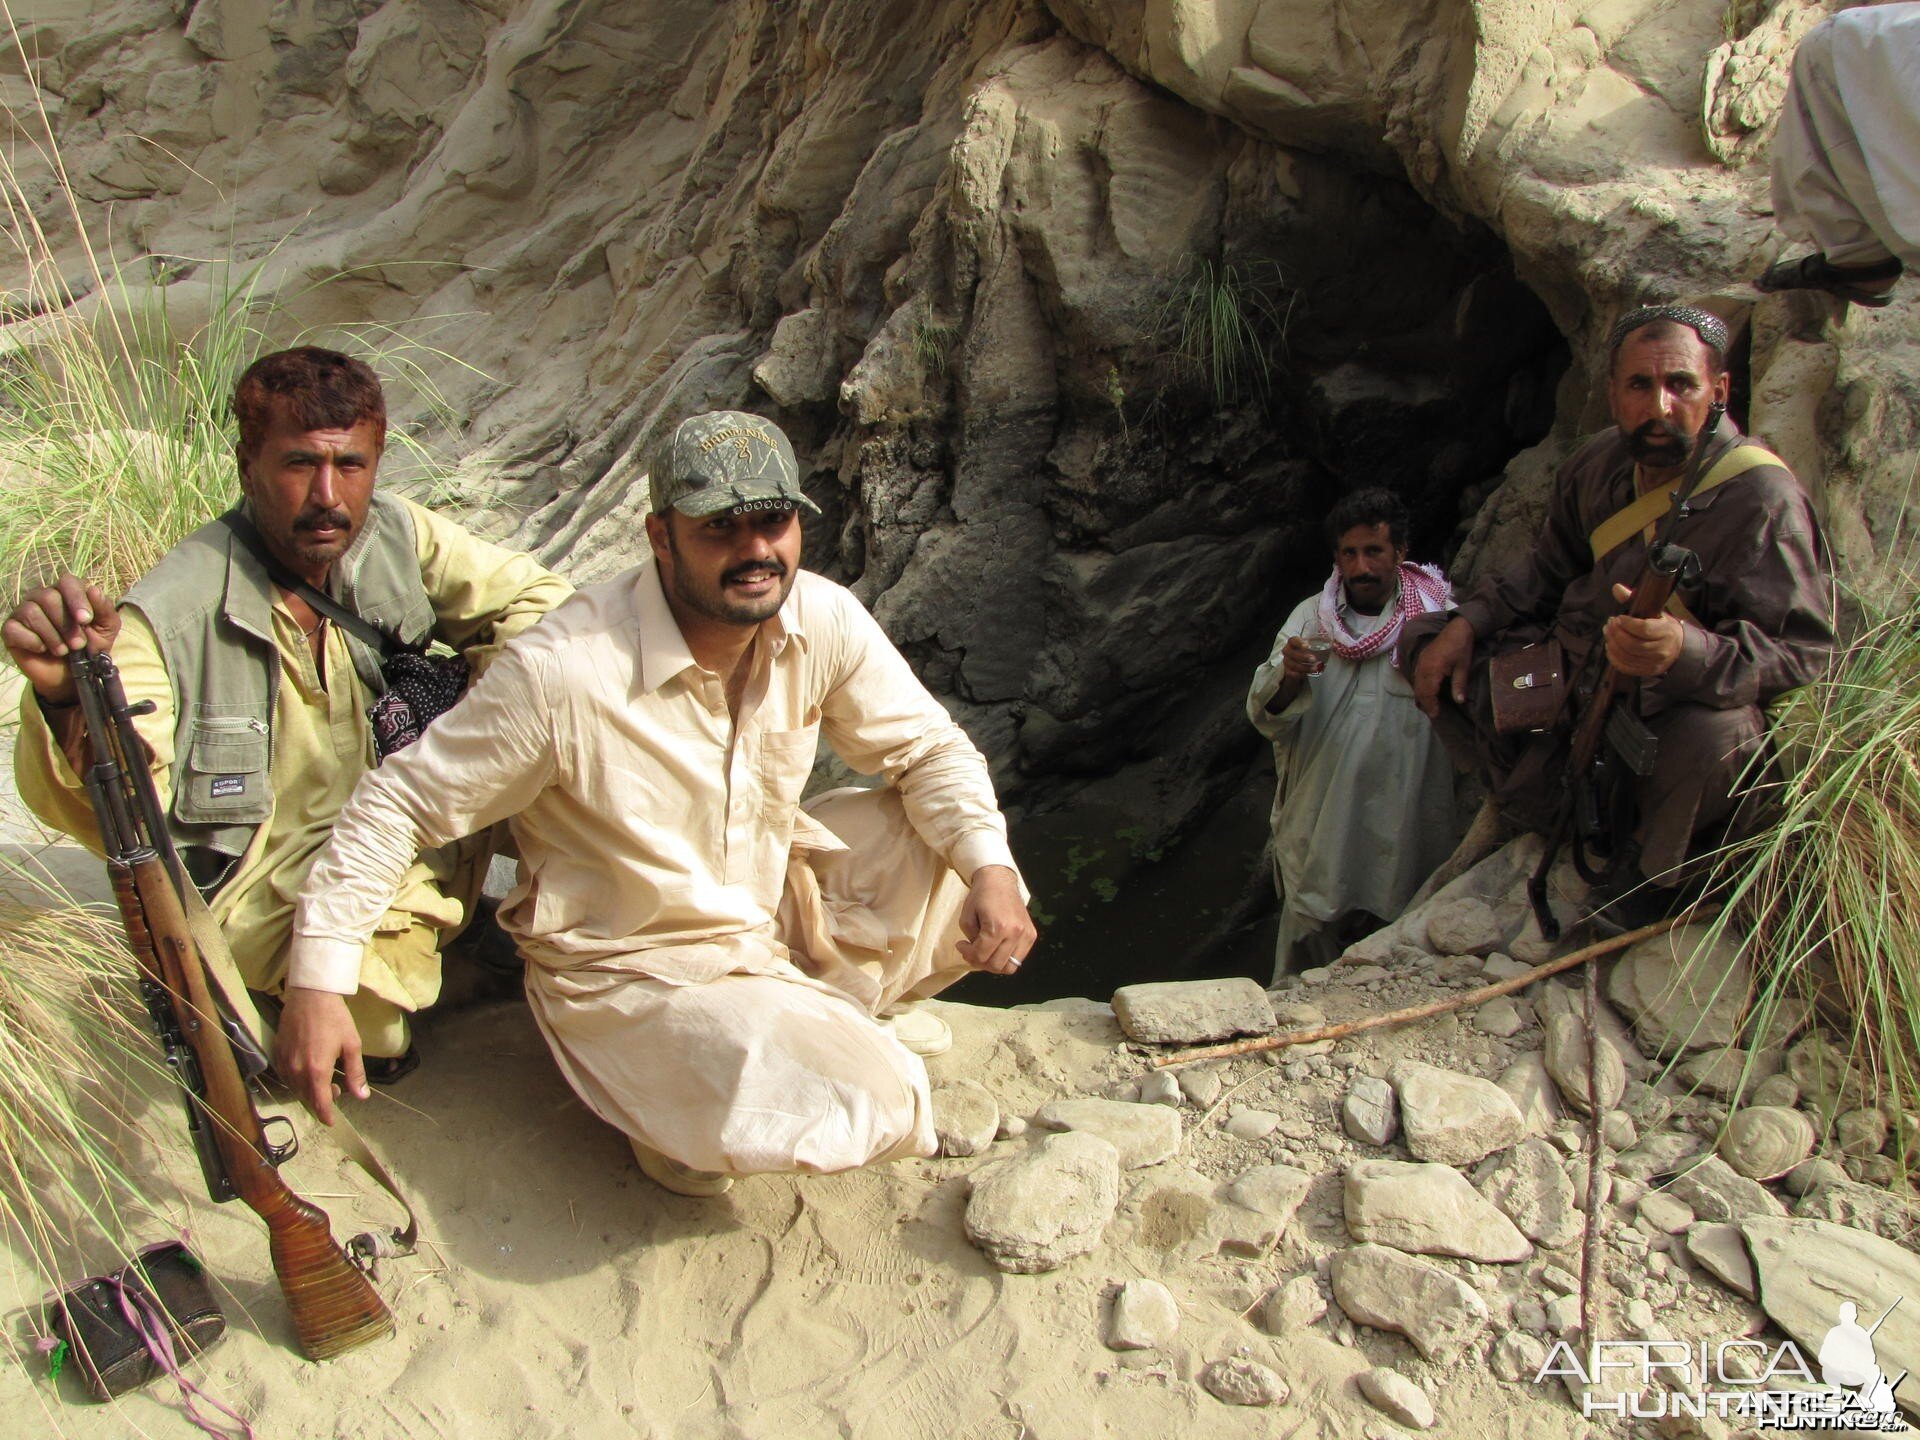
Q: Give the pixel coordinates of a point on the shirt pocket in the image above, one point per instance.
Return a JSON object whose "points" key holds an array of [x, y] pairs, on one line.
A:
{"points": [[225, 777], [786, 760]]}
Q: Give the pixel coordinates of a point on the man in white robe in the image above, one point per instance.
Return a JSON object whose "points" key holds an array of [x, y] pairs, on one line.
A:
{"points": [[1363, 809], [1846, 160]]}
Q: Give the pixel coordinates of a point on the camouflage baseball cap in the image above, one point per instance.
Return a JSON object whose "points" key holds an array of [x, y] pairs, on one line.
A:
{"points": [[726, 460]]}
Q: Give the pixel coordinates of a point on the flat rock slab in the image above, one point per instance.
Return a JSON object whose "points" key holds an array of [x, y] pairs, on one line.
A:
{"points": [[1466, 926], [1531, 1187], [1140, 1134], [1808, 1268], [1682, 992], [1567, 1062], [1392, 1393], [1531, 1088], [1042, 1209], [1145, 1317], [1427, 1210], [1368, 1113], [1719, 1250], [1192, 1012], [1716, 1192], [1452, 1118], [1388, 1290]]}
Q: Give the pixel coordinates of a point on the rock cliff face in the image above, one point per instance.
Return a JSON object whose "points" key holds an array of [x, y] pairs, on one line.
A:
{"points": [[1080, 313]]}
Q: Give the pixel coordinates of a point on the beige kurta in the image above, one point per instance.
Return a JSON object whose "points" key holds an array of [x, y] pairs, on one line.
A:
{"points": [[322, 744], [706, 958], [1363, 808]]}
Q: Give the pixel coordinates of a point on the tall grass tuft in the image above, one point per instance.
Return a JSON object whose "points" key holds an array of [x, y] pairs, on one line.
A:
{"points": [[1220, 321], [1825, 893]]}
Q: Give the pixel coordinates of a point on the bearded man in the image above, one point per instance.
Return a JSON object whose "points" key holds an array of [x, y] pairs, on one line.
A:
{"points": [[712, 964], [1363, 801], [1752, 622]]}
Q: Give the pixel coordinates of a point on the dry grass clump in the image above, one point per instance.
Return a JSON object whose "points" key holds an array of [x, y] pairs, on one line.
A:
{"points": [[1827, 892]]}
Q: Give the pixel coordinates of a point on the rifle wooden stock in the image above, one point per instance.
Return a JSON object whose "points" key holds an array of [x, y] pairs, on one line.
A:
{"points": [[334, 1307]]}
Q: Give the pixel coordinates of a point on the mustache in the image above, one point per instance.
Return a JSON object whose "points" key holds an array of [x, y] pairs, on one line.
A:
{"points": [[324, 519], [753, 569], [1661, 434]]}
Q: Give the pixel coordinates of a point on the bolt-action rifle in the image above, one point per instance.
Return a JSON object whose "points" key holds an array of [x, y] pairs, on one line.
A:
{"points": [[212, 1055], [1609, 741]]}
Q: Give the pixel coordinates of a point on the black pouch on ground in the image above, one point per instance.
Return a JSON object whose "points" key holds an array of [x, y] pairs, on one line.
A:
{"points": [[165, 1285]]}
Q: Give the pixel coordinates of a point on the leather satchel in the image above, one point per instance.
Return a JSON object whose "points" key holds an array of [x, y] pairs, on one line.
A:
{"points": [[125, 1329], [1529, 688]]}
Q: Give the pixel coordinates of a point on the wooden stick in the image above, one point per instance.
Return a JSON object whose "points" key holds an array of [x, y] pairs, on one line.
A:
{"points": [[1436, 1007]]}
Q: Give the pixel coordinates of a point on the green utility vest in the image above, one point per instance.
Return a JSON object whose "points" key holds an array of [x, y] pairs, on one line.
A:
{"points": [[210, 603]]}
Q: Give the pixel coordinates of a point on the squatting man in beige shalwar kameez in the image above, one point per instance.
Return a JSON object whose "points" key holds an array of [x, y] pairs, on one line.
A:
{"points": [[710, 962]]}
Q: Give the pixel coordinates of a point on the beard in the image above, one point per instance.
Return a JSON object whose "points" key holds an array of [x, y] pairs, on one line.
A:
{"points": [[714, 603], [1659, 444]]}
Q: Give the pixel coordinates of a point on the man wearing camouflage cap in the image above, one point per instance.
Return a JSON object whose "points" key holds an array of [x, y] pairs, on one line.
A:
{"points": [[709, 960], [1753, 623]]}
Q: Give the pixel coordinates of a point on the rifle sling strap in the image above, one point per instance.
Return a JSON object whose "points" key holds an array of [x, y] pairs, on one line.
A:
{"points": [[1621, 526], [231, 991]]}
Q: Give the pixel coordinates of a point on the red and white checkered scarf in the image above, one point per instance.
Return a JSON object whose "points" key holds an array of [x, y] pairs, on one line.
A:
{"points": [[1422, 589]]}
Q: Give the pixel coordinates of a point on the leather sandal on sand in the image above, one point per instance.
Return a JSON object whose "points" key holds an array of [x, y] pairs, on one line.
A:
{"points": [[921, 1031], [670, 1174], [385, 1069], [1846, 282]]}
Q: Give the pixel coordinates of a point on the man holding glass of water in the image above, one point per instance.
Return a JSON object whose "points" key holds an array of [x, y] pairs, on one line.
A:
{"points": [[1363, 810]]}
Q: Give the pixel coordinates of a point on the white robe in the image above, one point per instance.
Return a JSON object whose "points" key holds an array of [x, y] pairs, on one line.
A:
{"points": [[1846, 160], [1363, 810]]}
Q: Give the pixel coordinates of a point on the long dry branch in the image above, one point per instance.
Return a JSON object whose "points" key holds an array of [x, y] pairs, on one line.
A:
{"points": [[1437, 1007]]}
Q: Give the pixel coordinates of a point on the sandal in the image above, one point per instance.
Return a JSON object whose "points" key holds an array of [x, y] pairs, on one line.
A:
{"points": [[1816, 272], [385, 1069]]}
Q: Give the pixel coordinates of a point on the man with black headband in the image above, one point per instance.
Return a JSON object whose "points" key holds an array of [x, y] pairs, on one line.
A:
{"points": [[712, 964], [1753, 623]]}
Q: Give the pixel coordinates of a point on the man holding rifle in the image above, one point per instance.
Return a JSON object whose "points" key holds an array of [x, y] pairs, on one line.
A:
{"points": [[1751, 618], [259, 727]]}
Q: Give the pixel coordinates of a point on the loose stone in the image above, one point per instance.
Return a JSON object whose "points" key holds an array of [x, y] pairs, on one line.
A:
{"points": [[1763, 1141], [1664, 1213], [1145, 1317], [1383, 1288], [1534, 1190], [1395, 1395], [1717, 1192], [1237, 1381], [1452, 1118], [1532, 1091], [1517, 1355], [1499, 1017], [1368, 1112], [1683, 990], [1428, 1210], [1160, 1088], [966, 1117], [1200, 1084], [1039, 1210], [1293, 1306], [1567, 1063], [1466, 926], [1192, 1012], [1860, 1132], [1140, 1134], [1251, 1124]]}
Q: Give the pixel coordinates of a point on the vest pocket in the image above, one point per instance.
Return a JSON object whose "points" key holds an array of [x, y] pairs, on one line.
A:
{"points": [[225, 778]]}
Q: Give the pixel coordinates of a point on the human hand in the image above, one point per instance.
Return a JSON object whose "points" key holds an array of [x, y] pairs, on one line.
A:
{"points": [[1444, 662], [1297, 660], [999, 931], [316, 1034], [1642, 649], [52, 622]]}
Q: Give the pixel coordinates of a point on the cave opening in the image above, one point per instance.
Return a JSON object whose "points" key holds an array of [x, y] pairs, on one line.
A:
{"points": [[1402, 351]]}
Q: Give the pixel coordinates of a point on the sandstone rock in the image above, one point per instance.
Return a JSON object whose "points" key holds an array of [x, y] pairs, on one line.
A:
{"points": [[1251, 1124], [1530, 950], [1238, 1381], [1466, 926], [1763, 1141], [1776, 1090], [1140, 1134], [1499, 1017], [1720, 1071], [1192, 1012], [966, 1117], [1200, 1084], [1532, 1187], [1806, 1268], [1810, 1175], [1160, 1088], [1566, 1054], [1040, 1210], [1563, 1314], [1144, 1317], [1532, 1091], [1293, 1305], [1617, 1130], [1368, 1112], [1272, 1190], [1825, 1075], [1290, 1016], [1718, 1249], [1394, 1394], [1517, 1356], [1383, 1288], [1860, 1132], [1011, 1127], [1657, 1156], [1503, 967], [1452, 1118], [1717, 1192], [1682, 993], [1428, 1210], [1667, 1215]]}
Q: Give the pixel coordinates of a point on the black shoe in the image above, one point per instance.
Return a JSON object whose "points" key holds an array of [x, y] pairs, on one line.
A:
{"points": [[1852, 283], [1629, 901]]}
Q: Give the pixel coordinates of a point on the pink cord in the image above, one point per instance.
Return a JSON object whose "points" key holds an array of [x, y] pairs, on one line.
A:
{"points": [[150, 1325]]}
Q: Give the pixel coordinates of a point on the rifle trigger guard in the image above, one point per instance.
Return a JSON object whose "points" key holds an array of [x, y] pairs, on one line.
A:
{"points": [[285, 1150]]}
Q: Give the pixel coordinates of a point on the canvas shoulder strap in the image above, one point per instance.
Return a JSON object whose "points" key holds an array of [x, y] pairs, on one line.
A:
{"points": [[1621, 526]]}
